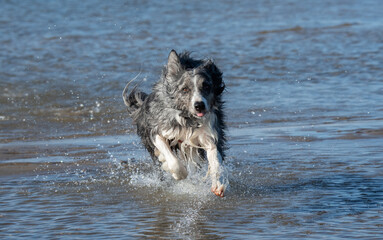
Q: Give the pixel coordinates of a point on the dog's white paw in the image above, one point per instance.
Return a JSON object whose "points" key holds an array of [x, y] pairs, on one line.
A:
{"points": [[178, 171], [165, 166], [218, 189], [178, 176]]}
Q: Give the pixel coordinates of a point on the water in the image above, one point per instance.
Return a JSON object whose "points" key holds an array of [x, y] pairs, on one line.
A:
{"points": [[303, 102]]}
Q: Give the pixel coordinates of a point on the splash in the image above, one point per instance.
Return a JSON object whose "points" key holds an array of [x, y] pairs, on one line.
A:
{"points": [[150, 176]]}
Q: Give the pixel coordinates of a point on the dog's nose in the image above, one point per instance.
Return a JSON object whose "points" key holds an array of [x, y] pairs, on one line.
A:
{"points": [[199, 106]]}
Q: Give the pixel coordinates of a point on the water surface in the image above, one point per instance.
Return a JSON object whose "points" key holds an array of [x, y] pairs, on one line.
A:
{"points": [[303, 103]]}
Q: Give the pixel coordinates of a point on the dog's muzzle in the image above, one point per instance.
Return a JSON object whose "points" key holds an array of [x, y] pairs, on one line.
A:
{"points": [[200, 108]]}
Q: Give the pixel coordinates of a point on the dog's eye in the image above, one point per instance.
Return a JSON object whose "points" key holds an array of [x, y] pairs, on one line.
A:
{"points": [[206, 86], [185, 90]]}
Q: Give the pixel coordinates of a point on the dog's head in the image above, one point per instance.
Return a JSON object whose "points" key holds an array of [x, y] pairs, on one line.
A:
{"points": [[194, 86]]}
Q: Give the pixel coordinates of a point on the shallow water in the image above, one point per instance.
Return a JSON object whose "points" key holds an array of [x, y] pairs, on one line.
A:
{"points": [[303, 103]]}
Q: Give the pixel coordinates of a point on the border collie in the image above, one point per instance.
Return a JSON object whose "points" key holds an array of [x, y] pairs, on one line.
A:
{"points": [[182, 120]]}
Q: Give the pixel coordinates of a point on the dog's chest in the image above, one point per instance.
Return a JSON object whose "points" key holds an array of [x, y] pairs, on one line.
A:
{"points": [[184, 136], [202, 137]]}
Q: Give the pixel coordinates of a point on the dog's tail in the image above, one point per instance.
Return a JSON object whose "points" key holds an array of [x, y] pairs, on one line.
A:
{"points": [[135, 98]]}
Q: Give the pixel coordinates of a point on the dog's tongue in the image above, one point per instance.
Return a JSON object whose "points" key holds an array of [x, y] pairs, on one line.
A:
{"points": [[200, 114]]}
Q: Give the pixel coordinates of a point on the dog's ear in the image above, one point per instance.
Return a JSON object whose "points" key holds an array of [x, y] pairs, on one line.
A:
{"points": [[174, 64], [216, 76]]}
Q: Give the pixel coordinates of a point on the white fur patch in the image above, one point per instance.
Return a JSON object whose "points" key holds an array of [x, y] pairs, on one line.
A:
{"points": [[197, 96], [187, 137], [169, 160]]}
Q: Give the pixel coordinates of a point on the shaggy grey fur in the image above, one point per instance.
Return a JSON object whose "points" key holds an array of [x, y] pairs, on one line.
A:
{"points": [[170, 107]]}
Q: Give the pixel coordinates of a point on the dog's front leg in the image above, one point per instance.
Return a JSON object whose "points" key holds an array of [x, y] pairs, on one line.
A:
{"points": [[215, 170], [175, 167]]}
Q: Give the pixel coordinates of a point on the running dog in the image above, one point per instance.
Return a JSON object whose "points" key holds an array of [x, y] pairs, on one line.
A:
{"points": [[182, 120]]}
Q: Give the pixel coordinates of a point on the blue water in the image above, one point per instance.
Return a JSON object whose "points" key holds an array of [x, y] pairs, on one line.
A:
{"points": [[303, 103]]}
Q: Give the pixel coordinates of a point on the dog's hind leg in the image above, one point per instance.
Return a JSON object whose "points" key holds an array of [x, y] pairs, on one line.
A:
{"points": [[169, 159]]}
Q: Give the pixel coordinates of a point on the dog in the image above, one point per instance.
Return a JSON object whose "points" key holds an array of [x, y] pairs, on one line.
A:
{"points": [[182, 120]]}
